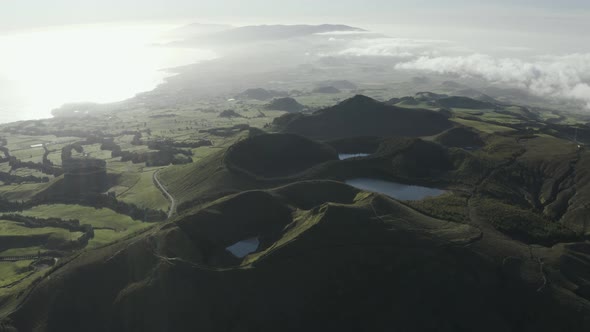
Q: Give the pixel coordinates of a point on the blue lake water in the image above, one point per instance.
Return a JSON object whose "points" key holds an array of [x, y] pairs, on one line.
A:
{"points": [[344, 156], [244, 248], [395, 190]]}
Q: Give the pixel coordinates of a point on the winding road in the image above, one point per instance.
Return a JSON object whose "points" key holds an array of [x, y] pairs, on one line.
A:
{"points": [[172, 209]]}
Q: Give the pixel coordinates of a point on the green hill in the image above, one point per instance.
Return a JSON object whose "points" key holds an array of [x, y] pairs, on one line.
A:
{"points": [[203, 180], [460, 138], [429, 96], [326, 89], [277, 155], [311, 271], [260, 94], [464, 102], [230, 114], [474, 94], [254, 161], [285, 104], [363, 116]]}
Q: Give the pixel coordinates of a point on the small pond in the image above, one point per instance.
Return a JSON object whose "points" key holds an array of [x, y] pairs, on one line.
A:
{"points": [[344, 156], [244, 248], [399, 191]]}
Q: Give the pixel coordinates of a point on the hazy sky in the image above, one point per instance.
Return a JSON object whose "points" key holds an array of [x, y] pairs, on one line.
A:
{"points": [[28, 13], [539, 45]]}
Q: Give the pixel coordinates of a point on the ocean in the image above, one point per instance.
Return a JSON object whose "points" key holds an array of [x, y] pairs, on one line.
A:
{"points": [[42, 69]]}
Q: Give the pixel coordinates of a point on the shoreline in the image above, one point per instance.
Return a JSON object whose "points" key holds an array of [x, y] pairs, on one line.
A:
{"points": [[170, 72], [33, 86]]}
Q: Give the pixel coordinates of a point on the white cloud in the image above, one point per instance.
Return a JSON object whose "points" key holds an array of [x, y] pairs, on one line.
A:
{"points": [[547, 76], [581, 91], [552, 76], [393, 47]]}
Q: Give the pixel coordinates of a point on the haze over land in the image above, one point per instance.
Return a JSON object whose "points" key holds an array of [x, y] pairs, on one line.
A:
{"points": [[42, 69], [540, 48]]}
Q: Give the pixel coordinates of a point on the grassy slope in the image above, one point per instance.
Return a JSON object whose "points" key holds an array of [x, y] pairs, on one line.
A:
{"points": [[118, 225], [277, 155], [22, 192], [482, 126], [363, 116], [321, 262], [144, 193], [16, 229], [13, 271], [208, 178]]}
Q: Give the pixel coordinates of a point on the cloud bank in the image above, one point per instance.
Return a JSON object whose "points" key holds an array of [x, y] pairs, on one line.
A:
{"points": [[394, 47], [550, 76]]}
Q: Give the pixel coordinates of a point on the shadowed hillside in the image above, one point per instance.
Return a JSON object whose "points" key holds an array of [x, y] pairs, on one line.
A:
{"points": [[464, 102], [310, 273], [461, 138], [260, 94], [285, 104], [277, 155], [363, 116]]}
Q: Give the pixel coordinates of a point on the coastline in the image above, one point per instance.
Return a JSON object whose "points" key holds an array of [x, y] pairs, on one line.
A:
{"points": [[116, 67]]}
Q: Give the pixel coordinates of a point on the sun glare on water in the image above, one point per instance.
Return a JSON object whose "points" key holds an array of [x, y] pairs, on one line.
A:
{"points": [[41, 70]]}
